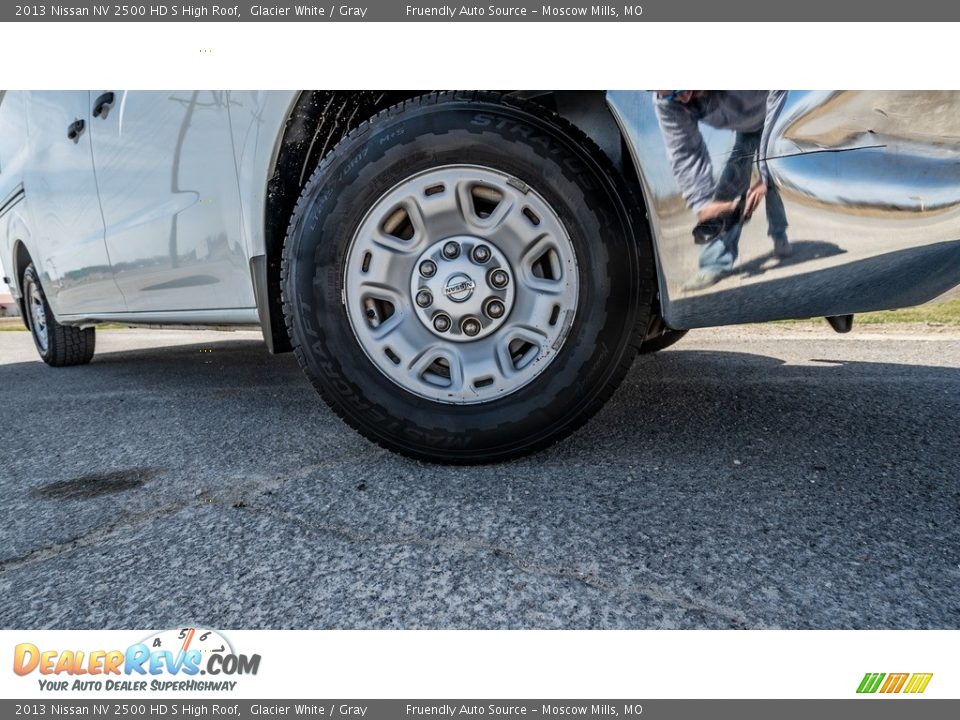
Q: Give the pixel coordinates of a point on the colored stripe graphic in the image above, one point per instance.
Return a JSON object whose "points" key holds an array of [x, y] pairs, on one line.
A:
{"points": [[918, 682], [894, 682], [870, 682]]}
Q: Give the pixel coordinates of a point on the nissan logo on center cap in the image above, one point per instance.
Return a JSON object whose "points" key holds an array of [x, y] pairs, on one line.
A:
{"points": [[459, 287]]}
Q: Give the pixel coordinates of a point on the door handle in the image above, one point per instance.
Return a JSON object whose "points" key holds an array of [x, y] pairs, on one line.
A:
{"points": [[75, 130], [102, 105]]}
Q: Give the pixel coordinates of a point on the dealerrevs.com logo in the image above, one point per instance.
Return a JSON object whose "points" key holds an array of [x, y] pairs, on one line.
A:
{"points": [[910, 683], [169, 660]]}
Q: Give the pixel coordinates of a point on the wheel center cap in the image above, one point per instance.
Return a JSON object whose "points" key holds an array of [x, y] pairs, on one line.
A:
{"points": [[451, 291], [459, 287]]}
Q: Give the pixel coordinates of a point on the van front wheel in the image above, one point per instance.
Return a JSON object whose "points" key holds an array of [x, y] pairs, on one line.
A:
{"points": [[463, 279]]}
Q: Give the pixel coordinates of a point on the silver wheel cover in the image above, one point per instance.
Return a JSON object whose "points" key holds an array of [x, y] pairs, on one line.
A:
{"points": [[38, 316], [461, 284]]}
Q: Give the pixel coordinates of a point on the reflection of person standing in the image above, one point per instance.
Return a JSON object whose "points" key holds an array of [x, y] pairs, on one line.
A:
{"points": [[750, 113]]}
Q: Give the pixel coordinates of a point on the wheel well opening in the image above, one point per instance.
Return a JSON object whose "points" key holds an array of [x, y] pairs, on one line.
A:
{"points": [[21, 259], [318, 121]]}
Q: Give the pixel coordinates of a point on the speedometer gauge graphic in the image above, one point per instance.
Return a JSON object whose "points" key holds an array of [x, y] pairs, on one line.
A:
{"points": [[180, 640]]}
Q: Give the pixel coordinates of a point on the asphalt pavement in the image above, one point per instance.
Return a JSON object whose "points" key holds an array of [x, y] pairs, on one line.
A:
{"points": [[753, 477]]}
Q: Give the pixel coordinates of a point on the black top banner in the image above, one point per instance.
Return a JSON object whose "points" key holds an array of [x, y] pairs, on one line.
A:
{"points": [[500, 11], [54, 707]]}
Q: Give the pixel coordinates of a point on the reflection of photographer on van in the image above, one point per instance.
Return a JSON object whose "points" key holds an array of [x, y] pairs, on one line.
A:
{"points": [[723, 205]]}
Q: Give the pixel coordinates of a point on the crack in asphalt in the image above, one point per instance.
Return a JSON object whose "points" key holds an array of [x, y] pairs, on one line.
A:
{"points": [[651, 592], [94, 536], [264, 484], [258, 484]]}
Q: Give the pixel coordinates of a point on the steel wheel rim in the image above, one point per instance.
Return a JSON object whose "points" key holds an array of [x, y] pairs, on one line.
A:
{"points": [[472, 207], [38, 317]]}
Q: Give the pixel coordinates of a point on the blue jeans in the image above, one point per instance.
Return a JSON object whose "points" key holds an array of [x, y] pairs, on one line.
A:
{"points": [[719, 255]]}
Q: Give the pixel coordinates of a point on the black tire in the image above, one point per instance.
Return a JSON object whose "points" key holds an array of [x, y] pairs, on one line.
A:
{"points": [[65, 345], [603, 218], [662, 341]]}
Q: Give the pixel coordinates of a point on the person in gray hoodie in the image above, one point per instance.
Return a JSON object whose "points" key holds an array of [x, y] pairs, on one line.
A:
{"points": [[723, 205]]}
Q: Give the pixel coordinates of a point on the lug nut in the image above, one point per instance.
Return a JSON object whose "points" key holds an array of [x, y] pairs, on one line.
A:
{"points": [[451, 250], [470, 326], [441, 323], [494, 309], [428, 268], [480, 254], [499, 278], [424, 298]]}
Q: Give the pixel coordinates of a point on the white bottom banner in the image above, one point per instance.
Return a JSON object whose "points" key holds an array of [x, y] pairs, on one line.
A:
{"points": [[85, 664]]}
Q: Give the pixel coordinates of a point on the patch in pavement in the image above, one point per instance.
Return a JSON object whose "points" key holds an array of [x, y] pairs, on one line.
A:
{"points": [[95, 484]]}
